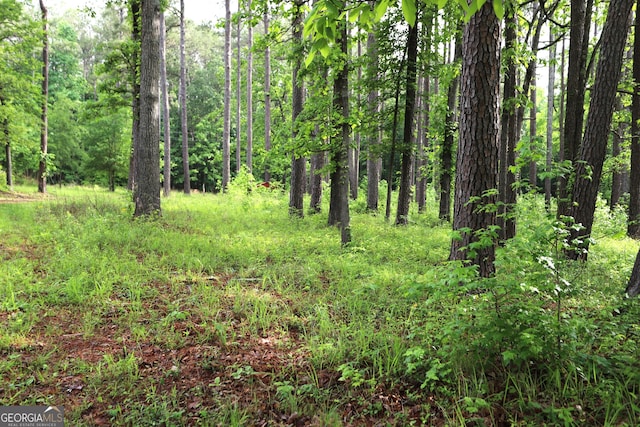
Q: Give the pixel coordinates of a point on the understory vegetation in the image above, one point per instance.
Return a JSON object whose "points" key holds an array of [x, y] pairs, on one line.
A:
{"points": [[225, 311]]}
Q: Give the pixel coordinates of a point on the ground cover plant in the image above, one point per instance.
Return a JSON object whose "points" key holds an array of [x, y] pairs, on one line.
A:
{"points": [[224, 311]]}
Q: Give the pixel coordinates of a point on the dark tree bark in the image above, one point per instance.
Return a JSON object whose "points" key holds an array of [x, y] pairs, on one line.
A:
{"points": [[450, 126], [508, 134], [339, 197], [226, 132], [298, 161], [422, 124], [164, 86], [318, 161], [42, 167], [407, 147], [594, 145], [354, 151], [183, 106], [633, 287], [7, 149], [147, 191], [374, 139], [477, 164], [575, 91], [134, 6], [633, 225]]}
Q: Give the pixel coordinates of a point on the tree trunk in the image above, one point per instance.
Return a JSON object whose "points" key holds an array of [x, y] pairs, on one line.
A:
{"points": [[7, 150], [135, 93], [633, 287], [374, 138], [267, 97], [450, 125], [508, 134], [550, 107], [183, 106], [318, 161], [226, 131], [404, 193], [633, 225], [422, 124], [594, 146], [238, 95], [533, 136], [477, 164], [42, 167], [574, 111], [249, 89], [339, 198], [619, 167], [354, 152], [298, 161], [147, 193], [164, 86]]}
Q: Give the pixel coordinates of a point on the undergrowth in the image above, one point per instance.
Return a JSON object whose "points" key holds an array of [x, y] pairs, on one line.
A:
{"points": [[224, 311]]}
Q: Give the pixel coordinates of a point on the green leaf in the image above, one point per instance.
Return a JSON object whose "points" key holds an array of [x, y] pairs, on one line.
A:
{"points": [[380, 9], [309, 58], [409, 11], [498, 8], [322, 46], [441, 4]]}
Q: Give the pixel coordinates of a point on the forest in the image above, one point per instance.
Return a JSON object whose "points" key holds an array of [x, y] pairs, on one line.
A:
{"points": [[321, 213]]}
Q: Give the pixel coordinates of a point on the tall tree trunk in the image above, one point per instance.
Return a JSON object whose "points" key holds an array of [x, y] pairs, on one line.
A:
{"points": [[318, 161], [633, 224], [508, 133], [226, 131], [550, 107], [404, 193], [450, 125], [574, 111], [42, 167], [238, 94], [249, 89], [298, 161], [594, 146], [135, 92], [267, 96], [183, 106], [354, 151], [533, 135], [164, 87], [7, 149], [422, 124], [147, 193], [374, 135], [619, 168], [633, 287], [477, 164], [339, 197]]}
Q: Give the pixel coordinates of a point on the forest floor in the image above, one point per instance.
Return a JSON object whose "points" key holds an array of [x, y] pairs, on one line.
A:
{"points": [[226, 312]]}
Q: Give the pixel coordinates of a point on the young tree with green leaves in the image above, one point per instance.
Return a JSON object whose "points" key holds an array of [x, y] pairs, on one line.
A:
{"points": [[44, 133]]}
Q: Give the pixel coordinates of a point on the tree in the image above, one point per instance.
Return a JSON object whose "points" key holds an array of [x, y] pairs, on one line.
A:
{"points": [[147, 174], [226, 137], [594, 145], [550, 105], [183, 106], [339, 197], [404, 194], [374, 140], [477, 160], [134, 70], [298, 161], [267, 94], [164, 86], [633, 225], [249, 89], [446, 153], [42, 167]]}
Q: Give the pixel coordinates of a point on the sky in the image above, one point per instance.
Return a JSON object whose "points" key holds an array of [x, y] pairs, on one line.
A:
{"points": [[196, 10]]}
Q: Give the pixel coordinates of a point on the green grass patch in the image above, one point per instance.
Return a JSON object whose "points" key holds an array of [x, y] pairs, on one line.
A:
{"points": [[224, 311]]}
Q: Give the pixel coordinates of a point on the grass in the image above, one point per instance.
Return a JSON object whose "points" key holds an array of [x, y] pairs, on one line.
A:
{"points": [[225, 311]]}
